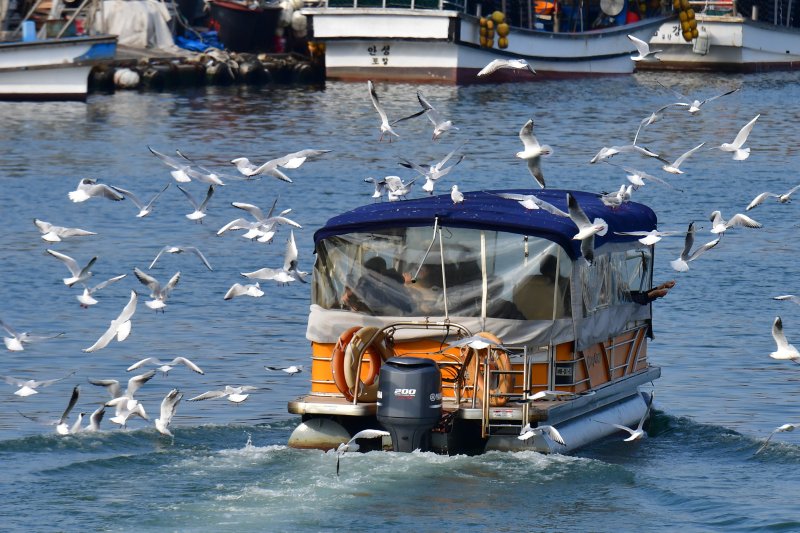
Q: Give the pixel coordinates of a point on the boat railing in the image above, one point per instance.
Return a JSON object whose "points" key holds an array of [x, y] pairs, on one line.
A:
{"points": [[441, 5], [62, 19]]}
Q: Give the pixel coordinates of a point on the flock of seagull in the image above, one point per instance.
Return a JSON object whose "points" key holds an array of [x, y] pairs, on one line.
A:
{"points": [[261, 227]]}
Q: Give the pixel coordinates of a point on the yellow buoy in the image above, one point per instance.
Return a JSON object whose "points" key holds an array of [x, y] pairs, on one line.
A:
{"points": [[695, 33], [690, 13], [498, 17], [483, 33], [685, 5], [693, 24], [687, 36], [676, 5], [685, 26], [682, 16], [502, 42], [490, 24], [482, 22], [502, 29]]}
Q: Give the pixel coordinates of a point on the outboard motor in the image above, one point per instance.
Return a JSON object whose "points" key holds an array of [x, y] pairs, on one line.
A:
{"points": [[410, 401]]}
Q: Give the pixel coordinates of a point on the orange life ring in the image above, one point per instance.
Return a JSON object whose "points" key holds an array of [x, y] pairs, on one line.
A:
{"points": [[498, 360], [337, 362], [376, 353]]}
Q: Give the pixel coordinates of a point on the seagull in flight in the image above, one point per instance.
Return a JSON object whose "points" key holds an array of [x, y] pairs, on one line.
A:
{"points": [[497, 64], [780, 429], [270, 168], [234, 394], [88, 188], [694, 106], [440, 125], [16, 342], [643, 49], [180, 166], [607, 152], [144, 208], [52, 233], [531, 202], [79, 274], [158, 293], [386, 128], [291, 370], [264, 228], [432, 172], [168, 407], [380, 185], [171, 249], [124, 403], [739, 153], [352, 445], [784, 349], [784, 198], [647, 237], [477, 342], [638, 433], [533, 152], [61, 424], [396, 189], [528, 432], [789, 298], [27, 387], [681, 264], [586, 228], [237, 289], [165, 366], [199, 208], [87, 299], [637, 177], [672, 168], [120, 327], [720, 225], [285, 274]]}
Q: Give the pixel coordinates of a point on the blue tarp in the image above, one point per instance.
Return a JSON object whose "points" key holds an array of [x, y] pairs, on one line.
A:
{"points": [[208, 39], [486, 210]]}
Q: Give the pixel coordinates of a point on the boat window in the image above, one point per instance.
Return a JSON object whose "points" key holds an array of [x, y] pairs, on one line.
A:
{"points": [[411, 272], [610, 279]]}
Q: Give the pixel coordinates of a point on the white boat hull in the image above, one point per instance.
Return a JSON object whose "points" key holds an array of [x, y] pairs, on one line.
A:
{"points": [[51, 69], [726, 44], [429, 45]]}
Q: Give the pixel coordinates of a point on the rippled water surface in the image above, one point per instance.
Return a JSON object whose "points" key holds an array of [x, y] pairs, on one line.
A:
{"points": [[228, 466]]}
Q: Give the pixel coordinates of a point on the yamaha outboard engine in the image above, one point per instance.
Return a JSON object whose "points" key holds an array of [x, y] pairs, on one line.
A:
{"points": [[410, 401]]}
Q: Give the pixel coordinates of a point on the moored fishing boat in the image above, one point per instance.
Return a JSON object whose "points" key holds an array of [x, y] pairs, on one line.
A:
{"points": [[399, 286], [421, 40], [744, 36]]}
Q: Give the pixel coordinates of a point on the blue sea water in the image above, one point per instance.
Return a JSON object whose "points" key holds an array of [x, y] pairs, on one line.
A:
{"points": [[228, 466]]}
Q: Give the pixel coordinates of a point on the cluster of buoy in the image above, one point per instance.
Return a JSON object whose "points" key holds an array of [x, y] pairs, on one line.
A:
{"points": [[496, 22], [686, 17], [213, 67]]}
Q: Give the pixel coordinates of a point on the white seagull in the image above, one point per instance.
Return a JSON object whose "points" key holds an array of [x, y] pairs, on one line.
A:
{"points": [[234, 394], [637, 177], [784, 198], [739, 153], [386, 128], [780, 429], [168, 407], [291, 370], [87, 299], [52, 233], [27, 387], [784, 349], [158, 293], [720, 225], [694, 106], [672, 168], [531, 202], [120, 327], [586, 228], [199, 209], [237, 289], [455, 195], [171, 249], [79, 274], [179, 166], [440, 125], [95, 419], [264, 227], [477, 342], [607, 152], [638, 433], [380, 185], [549, 395], [788, 297], [647, 237], [144, 208], [16, 342], [124, 402], [432, 172], [352, 445], [165, 366], [532, 152], [528, 432], [88, 188], [62, 426], [681, 264], [643, 49], [496, 64], [396, 189], [288, 272]]}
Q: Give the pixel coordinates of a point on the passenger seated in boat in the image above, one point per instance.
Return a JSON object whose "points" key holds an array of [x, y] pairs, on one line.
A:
{"points": [[426, 290], [535, 296], [380, 291]]}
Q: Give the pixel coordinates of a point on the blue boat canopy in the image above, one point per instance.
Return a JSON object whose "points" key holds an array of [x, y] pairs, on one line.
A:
{"points": [[486, 210]]}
